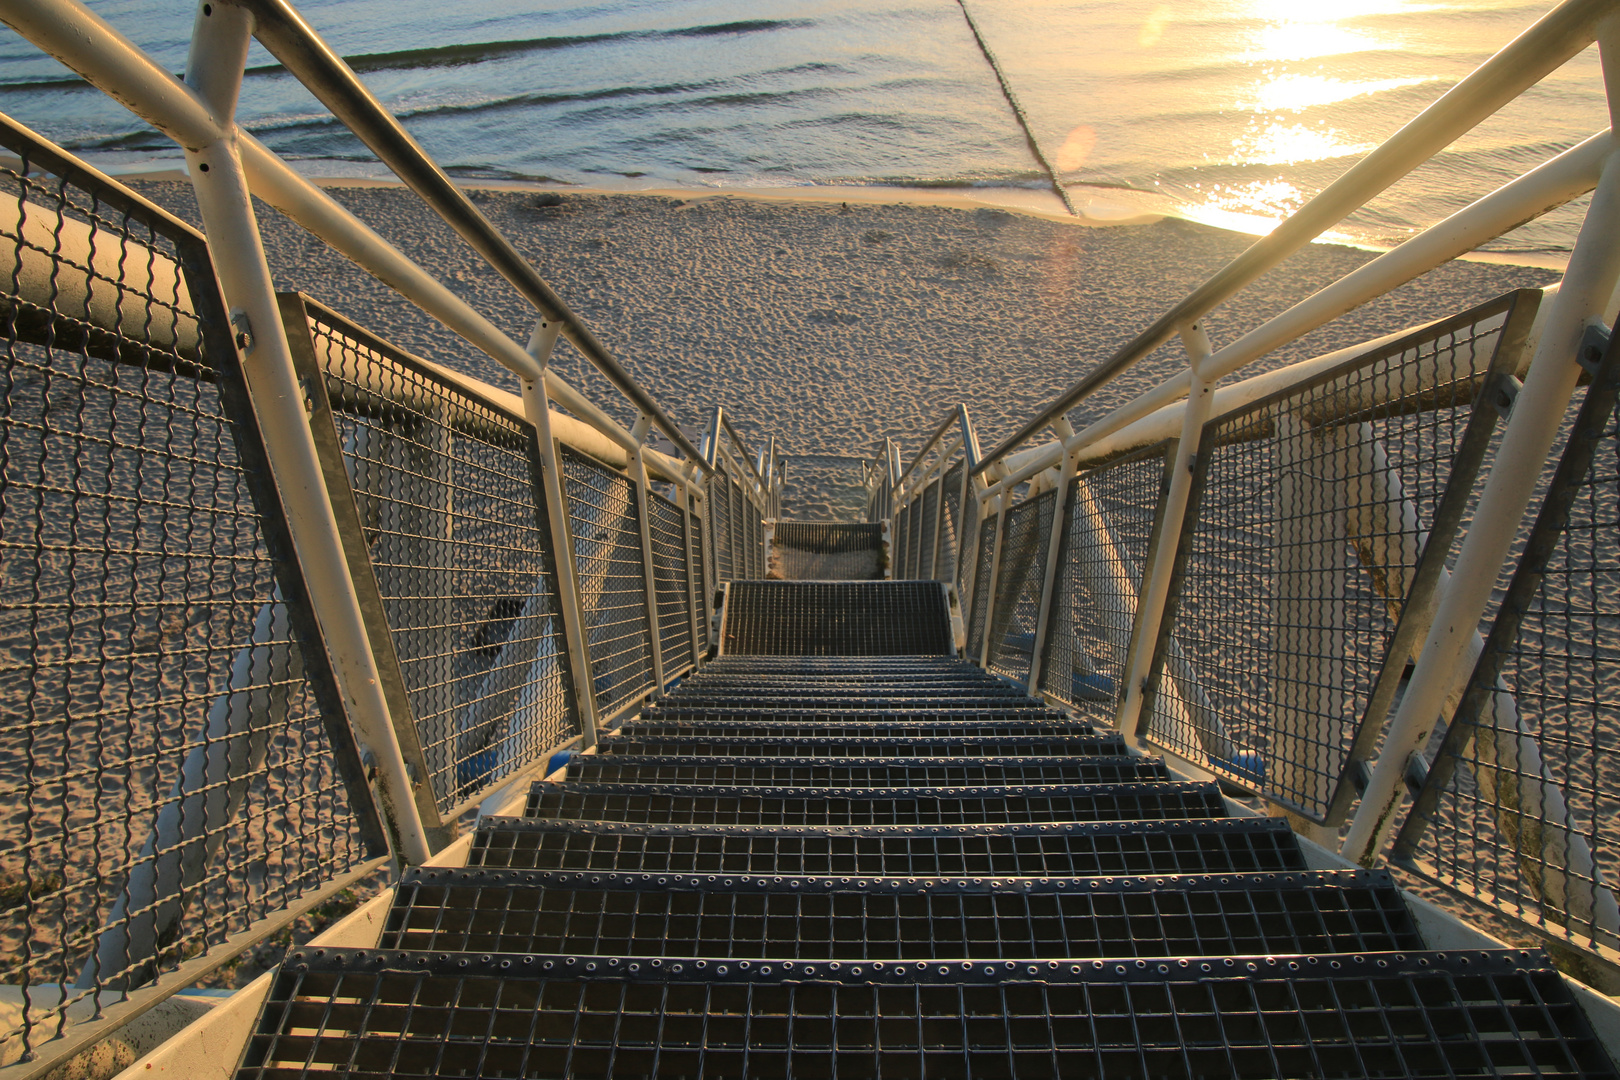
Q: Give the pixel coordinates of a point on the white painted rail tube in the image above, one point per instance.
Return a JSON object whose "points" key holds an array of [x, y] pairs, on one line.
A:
{"points": [[649, 572], [1529, 805], [1049, 572], [538, 411], [1582, 300], [107, 60], [1156, 590], [1548, 186], [219, 50], [209, 794], [1555, 38]]}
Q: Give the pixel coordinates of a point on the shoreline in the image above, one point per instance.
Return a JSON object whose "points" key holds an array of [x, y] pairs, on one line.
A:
{"points": [[1098, 210]]}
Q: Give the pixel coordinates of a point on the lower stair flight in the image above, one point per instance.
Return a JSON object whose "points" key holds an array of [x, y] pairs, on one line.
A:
{"points": [[806, 862]]}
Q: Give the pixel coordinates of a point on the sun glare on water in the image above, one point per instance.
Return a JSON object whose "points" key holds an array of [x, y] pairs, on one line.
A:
{"points": [[1297, 53]]}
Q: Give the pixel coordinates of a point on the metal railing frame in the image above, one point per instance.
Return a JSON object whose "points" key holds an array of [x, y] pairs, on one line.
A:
{"points": [[1181, 405], [227, 166]]}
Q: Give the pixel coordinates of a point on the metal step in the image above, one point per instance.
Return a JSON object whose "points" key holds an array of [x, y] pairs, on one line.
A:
{"points": [[816, 618], [374, 1013], [1101, 849], [839, 717], [932, 731], [854, 703], [707, 805], [824, 918], [828, 746], [886, 684], [896, 772]]}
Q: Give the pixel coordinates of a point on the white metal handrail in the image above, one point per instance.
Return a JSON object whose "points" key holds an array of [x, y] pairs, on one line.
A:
{"points": [[1174, 413]]}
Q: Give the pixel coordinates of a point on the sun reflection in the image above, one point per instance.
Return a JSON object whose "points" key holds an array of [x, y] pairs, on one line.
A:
{"points": [[1296, 92], [1288, 144], [1304, 39], [1256, 207]]}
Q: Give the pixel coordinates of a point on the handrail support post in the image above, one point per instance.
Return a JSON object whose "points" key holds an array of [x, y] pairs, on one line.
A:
{"points": [[218, 56], [1054, 544], [538, 409], [638, 475], [1156, 589]]}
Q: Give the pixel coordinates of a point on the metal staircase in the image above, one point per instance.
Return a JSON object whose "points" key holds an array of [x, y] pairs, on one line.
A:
{"points": [[857, 866]]}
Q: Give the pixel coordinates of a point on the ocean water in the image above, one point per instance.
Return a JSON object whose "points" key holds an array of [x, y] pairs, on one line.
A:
{"points": [[1231, 112]]}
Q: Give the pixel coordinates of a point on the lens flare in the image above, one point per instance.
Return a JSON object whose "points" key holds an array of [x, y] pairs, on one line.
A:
{"points": [[1076, 149], [1153, 28]]}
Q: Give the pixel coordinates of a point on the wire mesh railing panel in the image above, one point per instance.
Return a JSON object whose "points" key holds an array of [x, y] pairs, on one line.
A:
{"points": [[1313, 511], [1018, 586], [899, 549], [447, 490], [1521, 807], [603, 518], [980, 599], [914, 540], [718, 502], [669, 578], [930, 513], [827, 551], [951, 492], [741, 558], [700, 579], [166, 730], [1106, 535]]}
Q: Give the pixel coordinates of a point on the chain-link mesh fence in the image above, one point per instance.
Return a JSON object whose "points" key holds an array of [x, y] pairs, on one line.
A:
{"points": [[721, 543], [949, 553], [166, 727], [1302, 548], [452, 514], [1108, 528], [664, 521], [1519, 809], [979, 600], [603, 519], [700, 581], [929, 505], [1013, 618]]}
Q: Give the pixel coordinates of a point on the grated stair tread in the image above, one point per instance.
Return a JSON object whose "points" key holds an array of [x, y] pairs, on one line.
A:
{"points": [[784, 729], [1072, 849], [897, 866], [376, 1013], [869, 747], [896, 772], [827, 918]]}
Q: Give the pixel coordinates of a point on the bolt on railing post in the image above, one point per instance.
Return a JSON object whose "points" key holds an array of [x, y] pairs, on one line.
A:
{"points": [[638, 474], [1156, 589], [1054, 543], [218, 57], [538, 410]]}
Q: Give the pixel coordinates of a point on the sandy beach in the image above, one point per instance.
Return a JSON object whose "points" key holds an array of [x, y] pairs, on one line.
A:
{"points": [[831, 324]]}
